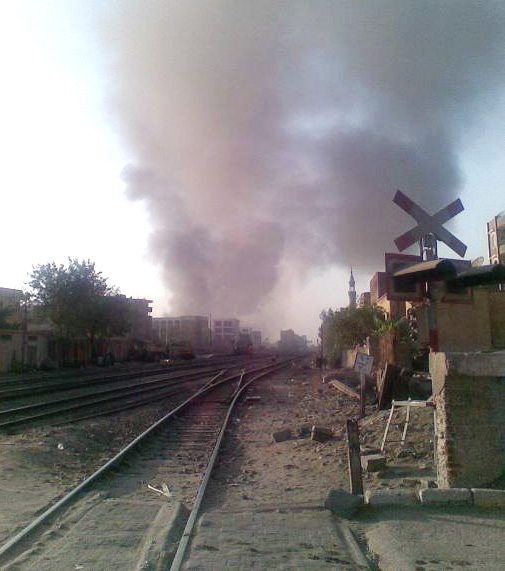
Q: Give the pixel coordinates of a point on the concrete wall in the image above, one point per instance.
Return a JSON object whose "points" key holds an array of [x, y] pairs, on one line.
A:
{"points": [[392, 308], [465, 326], [497, 312], [348, 358], [469, 392], [10, 349], [349, 355]]}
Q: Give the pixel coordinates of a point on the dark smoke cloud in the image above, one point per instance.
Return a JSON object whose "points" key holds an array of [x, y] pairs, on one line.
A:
{"points": [[271, 135]]}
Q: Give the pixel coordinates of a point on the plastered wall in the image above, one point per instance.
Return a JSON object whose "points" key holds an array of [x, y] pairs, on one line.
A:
{"points": [[469, 393]]}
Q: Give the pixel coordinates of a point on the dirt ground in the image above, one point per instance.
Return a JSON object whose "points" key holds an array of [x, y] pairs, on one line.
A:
{"points": [[38, 465], [299, 470]]}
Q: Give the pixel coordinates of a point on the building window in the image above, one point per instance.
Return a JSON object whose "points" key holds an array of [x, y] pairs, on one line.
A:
{"points": [[32, 338], [6, 337]]}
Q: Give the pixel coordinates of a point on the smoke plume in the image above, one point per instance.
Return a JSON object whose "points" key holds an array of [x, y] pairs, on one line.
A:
{"points": [[267, 136]]}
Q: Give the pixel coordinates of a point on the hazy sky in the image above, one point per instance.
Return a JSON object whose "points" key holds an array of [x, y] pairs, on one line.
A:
{"points": [[236, 157]]}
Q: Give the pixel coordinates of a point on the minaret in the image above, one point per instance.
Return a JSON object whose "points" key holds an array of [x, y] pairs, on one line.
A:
{"points": [[352, 292]]}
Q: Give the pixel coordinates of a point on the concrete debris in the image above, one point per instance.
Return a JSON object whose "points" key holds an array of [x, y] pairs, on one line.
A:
{"points": [[373, 462], [427, 483], [342, 387], [321, 434], [445, 496], [391, 498], [342, 503], [484, 498], [304, 431], [282, 435]]}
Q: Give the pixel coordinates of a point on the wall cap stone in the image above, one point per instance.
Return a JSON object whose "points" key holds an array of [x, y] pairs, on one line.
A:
{"points": [[486, 498], [445, 496], [490, 364], [399, 497]]}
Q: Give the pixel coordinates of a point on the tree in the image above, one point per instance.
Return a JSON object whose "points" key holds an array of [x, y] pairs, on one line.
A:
{"points": [[78, 300], [347, 328]]}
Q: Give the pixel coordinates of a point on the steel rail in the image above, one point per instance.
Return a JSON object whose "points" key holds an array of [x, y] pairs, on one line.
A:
{"points": [[19, 388], [188, 530], [94, 399], [123, 389], [16, 540], [156, 393], [6, 547]]}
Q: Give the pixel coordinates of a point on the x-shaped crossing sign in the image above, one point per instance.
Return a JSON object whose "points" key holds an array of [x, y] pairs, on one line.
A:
{"points": [[429, 224]]}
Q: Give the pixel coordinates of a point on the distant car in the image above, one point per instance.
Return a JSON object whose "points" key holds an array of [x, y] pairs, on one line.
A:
{"points": [[165, 362]]}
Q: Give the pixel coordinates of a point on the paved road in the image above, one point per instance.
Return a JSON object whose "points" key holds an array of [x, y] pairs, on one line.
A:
{"points": [[424, 539], [265, 539]]}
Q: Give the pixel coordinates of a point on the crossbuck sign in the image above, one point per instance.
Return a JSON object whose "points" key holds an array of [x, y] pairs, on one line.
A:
{"points": [[429, 224]]}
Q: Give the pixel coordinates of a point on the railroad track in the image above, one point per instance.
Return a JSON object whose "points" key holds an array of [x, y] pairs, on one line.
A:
{"points": [[118, 517], [87, 401], [17, 388]]}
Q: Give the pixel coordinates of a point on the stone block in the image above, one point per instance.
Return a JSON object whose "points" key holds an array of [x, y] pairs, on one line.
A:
{"points": [[485, 498], [373, 462], [445, 496], [321, 434], [304, 431], [427, 483], [342, 503], [282, 435], [391, 498]]}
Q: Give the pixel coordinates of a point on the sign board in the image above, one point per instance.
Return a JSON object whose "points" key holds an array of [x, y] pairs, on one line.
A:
{"points": [[363, 363], [401, 291], [429, 224]]}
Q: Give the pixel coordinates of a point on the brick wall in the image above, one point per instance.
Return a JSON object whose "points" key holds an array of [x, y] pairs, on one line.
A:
{"points": [[469, 391]]}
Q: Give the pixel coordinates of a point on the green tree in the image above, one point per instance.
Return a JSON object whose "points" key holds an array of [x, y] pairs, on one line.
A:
{"points": [[346, 328], [78, 301]]}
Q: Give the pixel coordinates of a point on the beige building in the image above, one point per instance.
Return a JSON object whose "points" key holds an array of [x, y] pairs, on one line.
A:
{"points": [[225, 330], [193, 329], [142, 326], [496, 239], [290, 341], [24, 339]]}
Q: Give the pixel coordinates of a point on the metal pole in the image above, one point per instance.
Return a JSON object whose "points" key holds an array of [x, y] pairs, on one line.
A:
{"points": [[25, 331], [362, 394]]}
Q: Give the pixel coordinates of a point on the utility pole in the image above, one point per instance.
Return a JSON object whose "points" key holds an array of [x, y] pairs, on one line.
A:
{"points": [[24, 340]]}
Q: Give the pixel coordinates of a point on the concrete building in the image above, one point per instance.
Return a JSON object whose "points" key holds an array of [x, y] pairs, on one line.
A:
{"points": [[256, 337], [379, 297], [10, 299], [290, 341], [225, 330], [24, 337], [193, 329], [141, 328], [378, 286], [496, 239]]}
